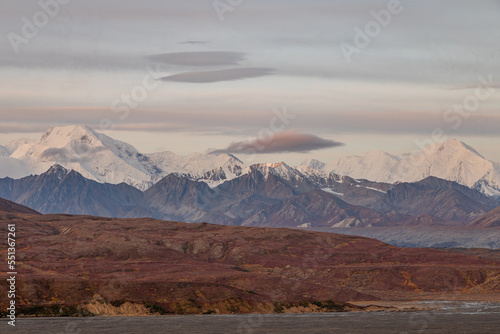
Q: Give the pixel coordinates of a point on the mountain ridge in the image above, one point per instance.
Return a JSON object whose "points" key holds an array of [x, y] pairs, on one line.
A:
{"points": [[12, 207], [490, 219], [268, 195], [451, 160], [106, 160]]}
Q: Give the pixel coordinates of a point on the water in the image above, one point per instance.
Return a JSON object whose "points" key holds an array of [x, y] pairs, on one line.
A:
{"points": [[454, 318]]}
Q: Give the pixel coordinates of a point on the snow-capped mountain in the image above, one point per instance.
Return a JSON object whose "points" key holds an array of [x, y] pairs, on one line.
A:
{"points": [[106, 160], [95, 156], [452, 160], [313, 163], [15, 144], [280, 169], [210, 168], [374, 166], [103, 159]]}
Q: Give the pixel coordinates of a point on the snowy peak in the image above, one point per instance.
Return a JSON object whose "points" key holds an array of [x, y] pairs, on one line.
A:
{"points": [[104, 159], [57, 171], [451, 160], [67, 143], [101, 158], [83, 140], [212, 152], [279, 169], [374, 165], [64, 135], [15, 144], [456, 145], [313, 163], [95, 156], [209, 168], [233, 158]]}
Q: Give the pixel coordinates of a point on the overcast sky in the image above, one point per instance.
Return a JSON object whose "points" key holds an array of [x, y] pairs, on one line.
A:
{"points": [[190, 75]]}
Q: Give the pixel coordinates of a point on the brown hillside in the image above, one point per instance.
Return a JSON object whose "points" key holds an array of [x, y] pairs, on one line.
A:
{"points": [[82, 262]]}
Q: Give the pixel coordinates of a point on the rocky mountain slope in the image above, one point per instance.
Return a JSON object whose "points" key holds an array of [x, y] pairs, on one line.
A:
{"points": [[105, 160], [445, 200], [439, 198], [268, 195], [180, 198], [491, 219], [84, 265], [62, 191], [317, 208], [101, 176], [263, 197]]}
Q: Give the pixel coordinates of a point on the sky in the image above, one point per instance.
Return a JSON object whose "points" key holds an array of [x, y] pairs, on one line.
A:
{"points": [[266, 80]]}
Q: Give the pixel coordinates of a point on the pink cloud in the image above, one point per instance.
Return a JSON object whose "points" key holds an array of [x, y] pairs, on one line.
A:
{"points": [[281, 142]]}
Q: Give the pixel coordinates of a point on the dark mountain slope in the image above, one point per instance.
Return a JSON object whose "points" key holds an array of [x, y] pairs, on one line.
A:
{"points": [[269, 195], [11, 207], [273, 181], [491, 219], [318, 208], [443, 199], [179, 198], [61, 191]]}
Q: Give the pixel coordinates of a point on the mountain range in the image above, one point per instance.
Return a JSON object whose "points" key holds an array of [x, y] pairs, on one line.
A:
{"points": [[452, 160], [263, 197], [103, 159], [106, 160], [76, 170]]}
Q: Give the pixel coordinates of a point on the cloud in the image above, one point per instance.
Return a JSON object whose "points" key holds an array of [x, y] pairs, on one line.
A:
{"points": [[220, 75], [12, 167], [23, 128], [473, 86], [281, 142], [200, 58], [194, 42], [236, 122], [80, 152]]}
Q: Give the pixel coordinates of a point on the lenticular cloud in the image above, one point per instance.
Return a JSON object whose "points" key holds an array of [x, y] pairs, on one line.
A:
{"points": [[281, 142]]}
